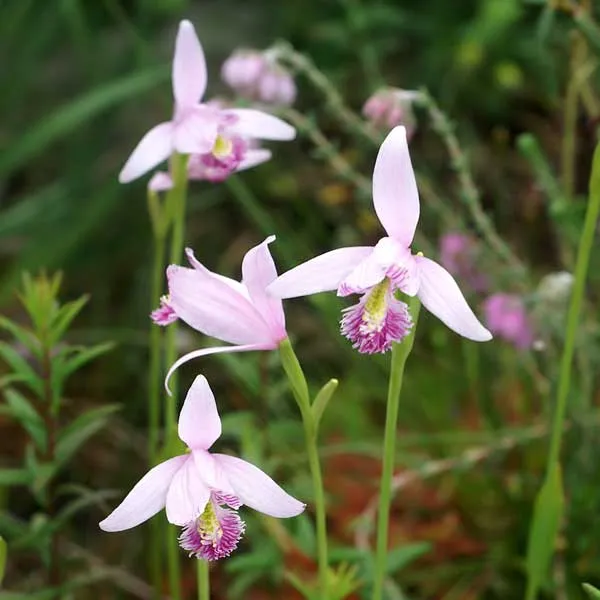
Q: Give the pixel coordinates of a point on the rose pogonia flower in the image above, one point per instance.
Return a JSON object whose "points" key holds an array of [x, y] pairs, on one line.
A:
{"points": [[507, 318], [198, 128], [378, 272], [239, 313], [200, 490]]}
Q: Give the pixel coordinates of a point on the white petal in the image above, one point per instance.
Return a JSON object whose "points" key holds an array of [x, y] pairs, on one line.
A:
{"points": [[189, 67], [254, 157], [196, 131], [395, 193], [256, 489], [155, 147], [320, 274], [258, 271], [147, 497], [199, 422], [187, 495], [254, 123], [441, 295]]}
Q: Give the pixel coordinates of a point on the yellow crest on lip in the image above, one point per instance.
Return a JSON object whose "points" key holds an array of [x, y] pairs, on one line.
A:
{"points": [[222, 148]]}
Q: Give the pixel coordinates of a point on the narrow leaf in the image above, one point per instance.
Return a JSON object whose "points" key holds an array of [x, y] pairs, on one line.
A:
{"points": [[23, 335], [83, 356], [10, 477], [65, 316], [547, 513], [591, 591], [322, 400], [21, 410], [21, 366], [3, 554]]}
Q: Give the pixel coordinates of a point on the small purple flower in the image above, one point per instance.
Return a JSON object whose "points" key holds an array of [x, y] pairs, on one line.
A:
{"points": [[389, 107], [505, 315], [458, 254], [257, 76], [201, 490]]}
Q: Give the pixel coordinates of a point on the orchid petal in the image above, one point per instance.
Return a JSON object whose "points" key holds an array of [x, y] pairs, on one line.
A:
{"points": [[187, 495], [441, 295], [213, 307], [189, 67], [320, 274], [254, 157], [196, 131], [160, 182], [211, 473], [365, 275], [214, 350], [252, 123], [395, 193], [147, 497], [199, 422], [236, 286], [258, 271], [152, 149], [257, 490]]}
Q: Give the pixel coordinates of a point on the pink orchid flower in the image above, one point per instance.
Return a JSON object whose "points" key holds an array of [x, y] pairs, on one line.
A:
{"points": [[239, 313], [198, 128], [201, 490], [377, 272]]}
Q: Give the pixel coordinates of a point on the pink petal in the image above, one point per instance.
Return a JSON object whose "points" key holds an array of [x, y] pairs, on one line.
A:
{"points": [[258, 271], [256, 489], [187, 495], [395, 194], [320, 274], [215, 350], [212, 307], [160, 182], [211, 473], [440, 294], [189, 67], [147, 497], [153, 148], [254, 157], [254, 123], [199, 422], [196, 131]]}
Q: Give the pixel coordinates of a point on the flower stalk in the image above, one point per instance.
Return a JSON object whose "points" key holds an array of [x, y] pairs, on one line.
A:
{"points": [[299, 387], [400, 353]]}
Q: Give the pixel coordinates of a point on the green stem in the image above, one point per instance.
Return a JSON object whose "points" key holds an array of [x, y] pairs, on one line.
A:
{"points": [[573, 320], [175, 204], [299, 387], [400, 353], [203, 578]]}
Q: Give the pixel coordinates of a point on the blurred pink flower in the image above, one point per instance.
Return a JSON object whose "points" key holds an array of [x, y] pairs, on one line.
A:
{"points": [[257, 76], [201, 490], [458, 254], [198, 128], [377, 272], [389, 107], [236, 312], [507, 318]]}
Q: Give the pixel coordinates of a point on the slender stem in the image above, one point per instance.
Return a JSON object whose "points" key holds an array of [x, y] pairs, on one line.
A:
{"points": [[400, 353], [573, 317], [297, 380], [573, 320], [203, 578], [175, 201]]}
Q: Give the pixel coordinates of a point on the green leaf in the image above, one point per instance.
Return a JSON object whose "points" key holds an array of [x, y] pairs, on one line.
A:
{"points": [[10, 477], [22, 367], [21, 334], [21, 410], [65, 316], [591, 591], [547, 513], [80, 430], [398, 558], [322, 400], [3, 553], [67, 118], [83, 355]]}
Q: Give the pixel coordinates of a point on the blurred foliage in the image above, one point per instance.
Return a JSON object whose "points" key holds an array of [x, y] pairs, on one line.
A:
{"points": [[85, 79]]}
